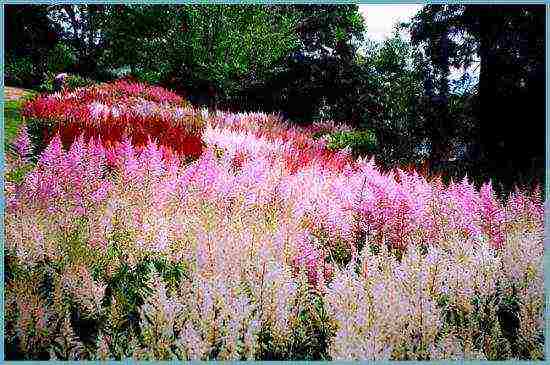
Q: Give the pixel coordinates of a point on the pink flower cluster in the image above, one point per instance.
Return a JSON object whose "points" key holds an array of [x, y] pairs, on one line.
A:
{"points": [[264, 212]]}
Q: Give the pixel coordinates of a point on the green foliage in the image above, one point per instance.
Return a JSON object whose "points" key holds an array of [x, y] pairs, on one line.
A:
{"points": [[75, 81], [311, 334], [47, 85], [319, 79], [311, 337], [72, 82], [323, 27], [17, 175], [129, 287], [73, 244], [360, 142], [37, 128], [19, 71], [60, 58], [511, 80], [492, 324], [172, 273], [12, 120], [150, 77], [338, 251], [218, 43], [392, 100]]}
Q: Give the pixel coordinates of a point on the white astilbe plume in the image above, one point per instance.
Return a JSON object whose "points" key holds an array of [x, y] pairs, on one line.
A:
{"points": [[394, 303], [523, 268], [78, 282], [380, 313], [159, 315]]}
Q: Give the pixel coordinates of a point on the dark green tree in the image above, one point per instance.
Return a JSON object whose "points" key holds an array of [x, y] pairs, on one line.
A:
{"points": [[441, 37], [511, 87], [220, 46], [29, 35], [81, 28], [508, 40], [323, 70], [396, 111]]}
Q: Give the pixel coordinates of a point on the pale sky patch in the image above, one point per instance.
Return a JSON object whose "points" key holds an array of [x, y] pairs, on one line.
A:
{"points": [[380, 19]]}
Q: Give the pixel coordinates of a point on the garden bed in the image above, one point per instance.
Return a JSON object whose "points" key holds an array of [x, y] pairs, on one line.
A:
{"points": [[266, 245]]}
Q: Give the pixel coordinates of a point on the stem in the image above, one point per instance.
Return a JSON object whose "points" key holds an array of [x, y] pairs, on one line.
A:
{"points": [[262, 291], [421, 328]]}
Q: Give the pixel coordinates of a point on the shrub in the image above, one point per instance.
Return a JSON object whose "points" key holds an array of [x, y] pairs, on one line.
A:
{"points": [[72, 82], [140, 111], [150, 77], [60, 58], [360, 142], [47, 84], [123, 252], [268, 246], [19, 71]]}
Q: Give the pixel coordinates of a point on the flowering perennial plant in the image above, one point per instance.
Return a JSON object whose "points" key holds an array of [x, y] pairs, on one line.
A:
{"points": [[112, 111], [266, 246]]}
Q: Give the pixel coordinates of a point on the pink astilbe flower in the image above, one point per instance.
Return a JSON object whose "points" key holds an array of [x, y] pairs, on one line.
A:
{"points": [[52, 155], [256, 221], [492, 214], [127, 161], [310, 259], [22, 144], [111, 111], [389, 308], [152, 160], [102, 192], [31, 316]]}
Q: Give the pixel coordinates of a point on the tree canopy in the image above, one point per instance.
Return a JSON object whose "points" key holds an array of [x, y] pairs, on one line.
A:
{"points": [[313, 61]]}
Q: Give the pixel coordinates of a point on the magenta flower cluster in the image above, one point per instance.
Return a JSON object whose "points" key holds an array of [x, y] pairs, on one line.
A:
{"points": [[264, 217]]}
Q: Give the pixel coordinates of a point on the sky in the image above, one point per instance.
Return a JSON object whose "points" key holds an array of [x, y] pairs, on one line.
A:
{"points": [[380, 20]]}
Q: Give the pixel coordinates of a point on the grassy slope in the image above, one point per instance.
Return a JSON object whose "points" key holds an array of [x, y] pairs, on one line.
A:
{"points": [[12, 123], [12, 119], [12, 116]]}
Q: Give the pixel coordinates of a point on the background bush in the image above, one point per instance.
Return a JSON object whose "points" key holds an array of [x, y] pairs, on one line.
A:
{"points": [[150, 77], [60, 58], [75, 81], [19, 71], [360, 142], [72, 82]]}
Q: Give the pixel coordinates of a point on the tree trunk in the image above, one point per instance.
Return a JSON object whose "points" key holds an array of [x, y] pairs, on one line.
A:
{"points": [[441, 124], [491, 143]]}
